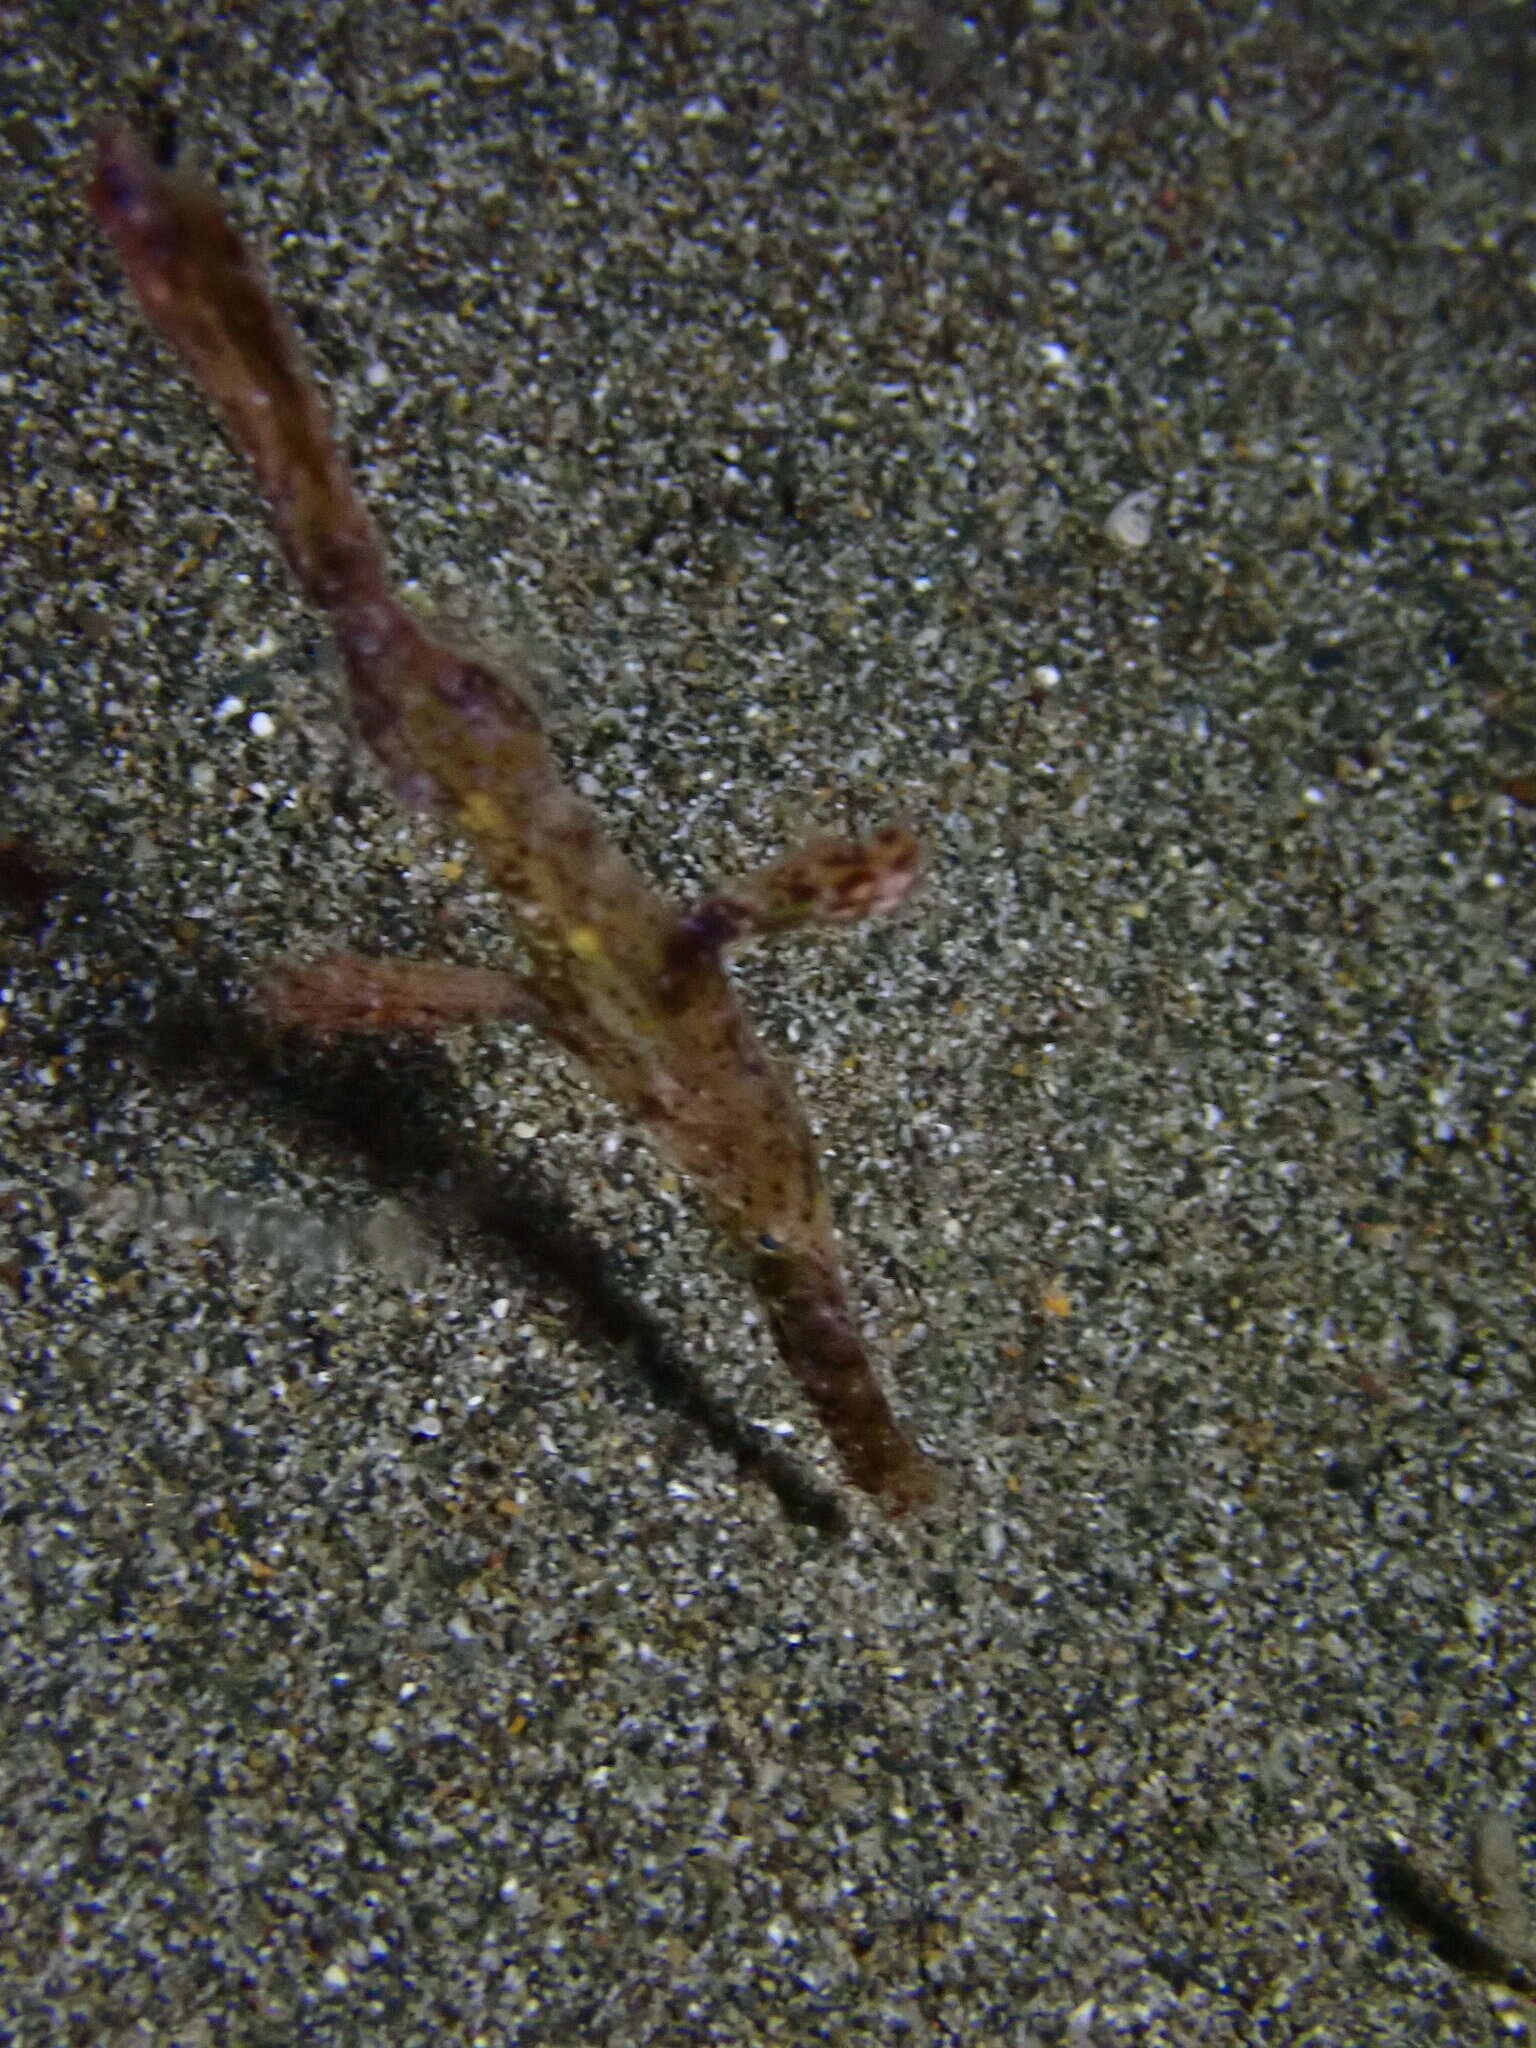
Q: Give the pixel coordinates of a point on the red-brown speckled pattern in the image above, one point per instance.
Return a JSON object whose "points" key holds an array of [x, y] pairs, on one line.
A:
{"points": [[617, 977]]}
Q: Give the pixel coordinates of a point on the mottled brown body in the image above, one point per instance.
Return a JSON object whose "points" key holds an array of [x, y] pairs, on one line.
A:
{"points": [[631, 987]]}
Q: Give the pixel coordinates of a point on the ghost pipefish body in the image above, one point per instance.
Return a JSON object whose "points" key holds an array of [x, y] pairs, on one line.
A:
{"points": [[630, 987]]}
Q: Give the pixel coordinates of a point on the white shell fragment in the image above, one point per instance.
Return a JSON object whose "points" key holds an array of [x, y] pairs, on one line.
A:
{"points": [[1130, 524], [1496, 1875]]}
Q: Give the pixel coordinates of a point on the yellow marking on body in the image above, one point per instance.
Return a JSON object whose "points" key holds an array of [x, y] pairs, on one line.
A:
{"points": [[585, 941], [479, 812]]}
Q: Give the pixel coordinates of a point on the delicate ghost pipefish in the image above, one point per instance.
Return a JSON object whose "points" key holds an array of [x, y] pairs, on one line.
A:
{"points": [[633, 989]]}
